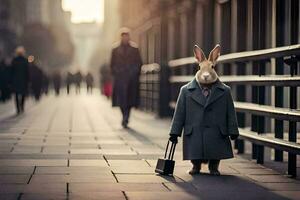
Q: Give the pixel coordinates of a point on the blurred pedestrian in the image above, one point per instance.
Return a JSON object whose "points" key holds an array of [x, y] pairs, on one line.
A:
{"points": [[89, 79], [69, 80], [56, 78], [78, 80], [105, 81], [20, 78], [5, 79], [36, 78], [126, 65], [45, 83]]}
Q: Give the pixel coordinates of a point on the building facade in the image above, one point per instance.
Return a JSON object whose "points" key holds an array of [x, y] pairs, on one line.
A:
{"points": [[235, 24]]}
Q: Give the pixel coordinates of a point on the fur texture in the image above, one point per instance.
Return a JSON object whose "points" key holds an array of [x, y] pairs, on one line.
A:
{"points": [[206, 74]]}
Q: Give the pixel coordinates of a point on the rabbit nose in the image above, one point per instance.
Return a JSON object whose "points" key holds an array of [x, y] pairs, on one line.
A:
{"points": [[205, 75]]}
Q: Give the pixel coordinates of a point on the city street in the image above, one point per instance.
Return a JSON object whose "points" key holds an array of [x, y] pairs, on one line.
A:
{"points": [[73, 147]]}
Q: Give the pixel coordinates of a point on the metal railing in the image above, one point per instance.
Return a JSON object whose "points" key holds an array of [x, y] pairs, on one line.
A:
{"points": [[149, 87], [160, 87], [288, 55]]}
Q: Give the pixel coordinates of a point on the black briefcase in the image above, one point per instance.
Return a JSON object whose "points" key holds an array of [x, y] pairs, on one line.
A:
{"points": [[166, 165]]}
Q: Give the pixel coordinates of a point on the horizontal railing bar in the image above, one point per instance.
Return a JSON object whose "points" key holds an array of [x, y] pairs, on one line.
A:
{"points": [[268, 111], [245, 56], [265, 140], [274, 80], [263, 110]]}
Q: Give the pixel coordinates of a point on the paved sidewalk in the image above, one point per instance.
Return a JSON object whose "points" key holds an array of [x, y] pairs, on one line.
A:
{"points": [[73, 147]]}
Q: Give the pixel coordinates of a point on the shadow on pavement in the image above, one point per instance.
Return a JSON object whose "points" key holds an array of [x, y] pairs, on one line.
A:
{"points": [[9, 122], [206, 187], [139, 136]]}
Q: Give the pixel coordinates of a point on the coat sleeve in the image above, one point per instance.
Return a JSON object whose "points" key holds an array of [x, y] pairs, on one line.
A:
{"points": [[112, 62], [179, 115], [139, 59], [231, 116]]}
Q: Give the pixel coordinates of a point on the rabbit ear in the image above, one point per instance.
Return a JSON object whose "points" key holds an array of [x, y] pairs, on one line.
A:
{"points": [[199, 55], [214, 54]]}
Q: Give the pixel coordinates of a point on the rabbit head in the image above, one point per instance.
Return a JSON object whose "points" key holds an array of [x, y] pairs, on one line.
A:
{"points": [[206, 73]]}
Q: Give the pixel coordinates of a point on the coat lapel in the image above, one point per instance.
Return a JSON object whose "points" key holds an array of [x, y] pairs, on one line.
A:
{"points": [[216, 92], [196, 93]]}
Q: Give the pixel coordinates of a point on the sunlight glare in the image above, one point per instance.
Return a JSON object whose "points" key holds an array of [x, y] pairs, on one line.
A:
{"points": [[85, 11]]}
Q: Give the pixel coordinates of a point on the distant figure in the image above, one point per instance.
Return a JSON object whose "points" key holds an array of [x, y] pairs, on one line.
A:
{"points": [[89, 79], [36, 78], [56, 78], [5, 82], [106, 81], [45, 83], [20, 78], [77, 81], [69, 80], [126, 65]]}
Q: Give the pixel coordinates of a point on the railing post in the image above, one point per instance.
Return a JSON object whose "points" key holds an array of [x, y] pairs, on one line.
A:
{"points": [[258, 122], [279, 103], [292, 158], [164, 92], [241, 91]]}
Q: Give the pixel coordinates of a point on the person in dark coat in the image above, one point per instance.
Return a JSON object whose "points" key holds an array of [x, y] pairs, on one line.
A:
{"points": [[36, 78], [20, 78], [206, 113], [5, 80], [126, 65], [89, 79], [77, 81], [45, 83], [69, 81], [56, 78]]}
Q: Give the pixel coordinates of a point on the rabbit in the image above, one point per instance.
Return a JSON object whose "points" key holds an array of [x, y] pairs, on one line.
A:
{"points": [[206, 74], [206, 114]]}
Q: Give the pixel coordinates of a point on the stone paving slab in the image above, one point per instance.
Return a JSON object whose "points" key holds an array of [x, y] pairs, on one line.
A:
{"points": [[16, 170], [31, 162], [20, 178], [74, 170], [9, 196], [46, 196], [128, 163], [145, 178], [132, 169], [97, 196], [78, 178], [100, 162], [115, 187], [34, 188]]}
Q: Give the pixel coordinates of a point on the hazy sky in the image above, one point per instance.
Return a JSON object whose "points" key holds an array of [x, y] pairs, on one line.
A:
{"points": [[85, 10]]}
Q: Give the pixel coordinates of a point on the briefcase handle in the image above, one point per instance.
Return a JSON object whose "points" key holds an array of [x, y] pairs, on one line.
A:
{"points": [[172, 151]]}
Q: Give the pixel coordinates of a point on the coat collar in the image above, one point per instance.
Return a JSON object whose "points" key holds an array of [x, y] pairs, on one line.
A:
{"points": [[217, 90]]}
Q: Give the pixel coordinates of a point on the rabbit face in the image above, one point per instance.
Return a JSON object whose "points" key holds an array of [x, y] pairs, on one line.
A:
{"points": [[206, 73]]}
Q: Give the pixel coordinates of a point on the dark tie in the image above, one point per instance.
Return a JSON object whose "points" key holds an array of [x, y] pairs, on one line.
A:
{"points": [[205, 92]]}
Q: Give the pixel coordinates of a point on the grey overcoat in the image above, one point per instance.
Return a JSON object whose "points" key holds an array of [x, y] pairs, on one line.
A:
{"points": [[207, 124]]}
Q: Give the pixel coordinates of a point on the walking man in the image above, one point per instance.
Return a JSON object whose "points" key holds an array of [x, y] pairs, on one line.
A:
{"points": [[20, 78], [126, 65]]}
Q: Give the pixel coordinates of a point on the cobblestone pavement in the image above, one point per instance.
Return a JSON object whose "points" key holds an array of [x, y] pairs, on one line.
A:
{"points": [[73, 147]]}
